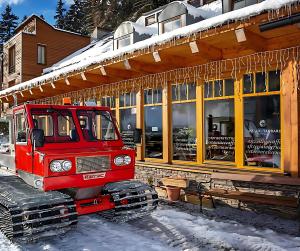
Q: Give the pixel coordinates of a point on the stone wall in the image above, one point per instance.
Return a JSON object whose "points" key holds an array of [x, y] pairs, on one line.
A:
{"points": [[154, 175]]}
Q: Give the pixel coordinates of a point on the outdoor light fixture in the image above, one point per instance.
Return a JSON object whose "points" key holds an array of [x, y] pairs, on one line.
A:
{"points": [[240, 35], [156, 56], [83, 76], [194, 47], [30, 91], [53, 85], [41, 88], [102, 70], [127, 64], [67, 81]]}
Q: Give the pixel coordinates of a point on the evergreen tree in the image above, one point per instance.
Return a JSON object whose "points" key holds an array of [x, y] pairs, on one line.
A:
{"points": [[60, 15], [24, 18], [7, 24], [75, 17]]}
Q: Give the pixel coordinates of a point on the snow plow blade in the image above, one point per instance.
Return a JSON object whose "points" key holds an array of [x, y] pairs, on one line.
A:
{"points": [[133, 199], [27, 214]]}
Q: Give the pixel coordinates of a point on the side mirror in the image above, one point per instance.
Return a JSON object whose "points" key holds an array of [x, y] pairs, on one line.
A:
{"points": [[137, 136], [38, 137]]}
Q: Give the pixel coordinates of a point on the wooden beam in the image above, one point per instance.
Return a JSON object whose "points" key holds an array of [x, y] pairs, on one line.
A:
{"points": [[121, 73], [253, 40], [208, 52]]}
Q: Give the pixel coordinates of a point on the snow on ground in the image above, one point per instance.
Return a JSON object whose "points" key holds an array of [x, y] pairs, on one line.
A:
{"points": [[171, 228]]}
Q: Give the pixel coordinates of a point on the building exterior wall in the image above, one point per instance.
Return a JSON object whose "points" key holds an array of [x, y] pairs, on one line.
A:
{"points": [[16, 77], [58, 44]]}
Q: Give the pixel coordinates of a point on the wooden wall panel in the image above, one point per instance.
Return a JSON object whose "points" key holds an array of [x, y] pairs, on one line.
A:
{"points": [[59, 45]]}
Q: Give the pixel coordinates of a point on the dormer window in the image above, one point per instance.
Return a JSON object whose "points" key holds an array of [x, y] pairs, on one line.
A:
{"points": [[176, 15], [172, 24], [128, 33]]}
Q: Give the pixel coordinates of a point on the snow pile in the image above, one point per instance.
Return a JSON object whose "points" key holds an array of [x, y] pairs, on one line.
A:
{"points": [[100, 55], [212, 9], [141, 29]]}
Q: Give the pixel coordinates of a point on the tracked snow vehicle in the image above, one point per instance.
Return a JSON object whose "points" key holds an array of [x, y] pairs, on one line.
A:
{"points": [[66, 161]]}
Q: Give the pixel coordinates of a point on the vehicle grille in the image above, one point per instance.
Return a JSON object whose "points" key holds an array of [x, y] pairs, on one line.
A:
{"points": [[92, 164]]}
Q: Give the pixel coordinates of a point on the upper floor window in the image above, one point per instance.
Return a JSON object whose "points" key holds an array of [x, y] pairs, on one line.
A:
{"points": [[237, 4], [12, 59], [172, 24], [124, 41], [41, 54], [150, 20]]}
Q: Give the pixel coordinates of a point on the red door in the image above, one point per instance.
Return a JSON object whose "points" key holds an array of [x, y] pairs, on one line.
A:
{"points": [[23, 148]]}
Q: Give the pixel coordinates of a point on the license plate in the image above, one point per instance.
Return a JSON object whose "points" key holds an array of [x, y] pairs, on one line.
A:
{"points": [[94, 176]]}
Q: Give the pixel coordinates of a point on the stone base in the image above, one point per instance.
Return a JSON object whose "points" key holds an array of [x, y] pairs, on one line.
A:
{"points": [[155, 175]]}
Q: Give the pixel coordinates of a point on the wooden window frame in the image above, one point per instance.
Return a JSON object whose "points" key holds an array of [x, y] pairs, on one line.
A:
{"points": [[12, 59], [241, 162], [223, 97], [45, 54], [185, 101]]}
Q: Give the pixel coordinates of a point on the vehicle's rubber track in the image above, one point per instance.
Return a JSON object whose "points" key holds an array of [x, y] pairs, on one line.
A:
{"points": [[27, 214], [132, 199]]}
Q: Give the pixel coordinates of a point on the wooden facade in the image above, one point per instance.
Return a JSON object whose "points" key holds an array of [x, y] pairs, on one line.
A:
{"points": [[220, 55], [33, 32]]}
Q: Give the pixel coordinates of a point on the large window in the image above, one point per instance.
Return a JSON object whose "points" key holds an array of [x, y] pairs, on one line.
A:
{"points": [[219, 120], [41, 54], [153, 123], [128, 118], [184, 122], [12, 59], [262, 130]]}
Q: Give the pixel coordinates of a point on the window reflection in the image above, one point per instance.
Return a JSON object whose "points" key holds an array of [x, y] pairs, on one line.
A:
{"points": [[262, 131], [219, 130], [127, 126], [172, 25], [153, 132], [184, 131]]}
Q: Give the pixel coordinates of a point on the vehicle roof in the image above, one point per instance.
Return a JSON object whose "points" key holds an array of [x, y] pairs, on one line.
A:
{"points": [[71, 107]]}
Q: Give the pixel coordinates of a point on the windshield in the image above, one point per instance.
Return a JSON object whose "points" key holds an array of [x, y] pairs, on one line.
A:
{"points": [[97, 125], [57, 125]]}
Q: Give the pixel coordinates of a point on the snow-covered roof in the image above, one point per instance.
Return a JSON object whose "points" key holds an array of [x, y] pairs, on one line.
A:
{"points": [[129, 27], [101, 53], [38, 17]]}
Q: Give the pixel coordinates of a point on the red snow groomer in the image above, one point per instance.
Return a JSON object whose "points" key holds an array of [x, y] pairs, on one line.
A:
{"points": [[68, 161]]}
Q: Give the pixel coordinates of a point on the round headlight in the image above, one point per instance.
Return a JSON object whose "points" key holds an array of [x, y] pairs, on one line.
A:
{"points": [[67, 165], [119, 160], [56, 166], [127, 160], [122, 160]]}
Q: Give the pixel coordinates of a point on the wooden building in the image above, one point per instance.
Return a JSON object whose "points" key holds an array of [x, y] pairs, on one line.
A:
{"points": [[36, 46], [218, 96]]}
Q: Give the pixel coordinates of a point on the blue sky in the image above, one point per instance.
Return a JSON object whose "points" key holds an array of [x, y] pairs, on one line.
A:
{"points": [[28, 7]]}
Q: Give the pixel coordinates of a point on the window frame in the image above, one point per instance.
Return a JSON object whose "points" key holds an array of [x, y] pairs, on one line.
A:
{"points": [[12, 59], [185, 101], [280, 169], [127, 36], [223, 97], [44, 54], [21, 113]]}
